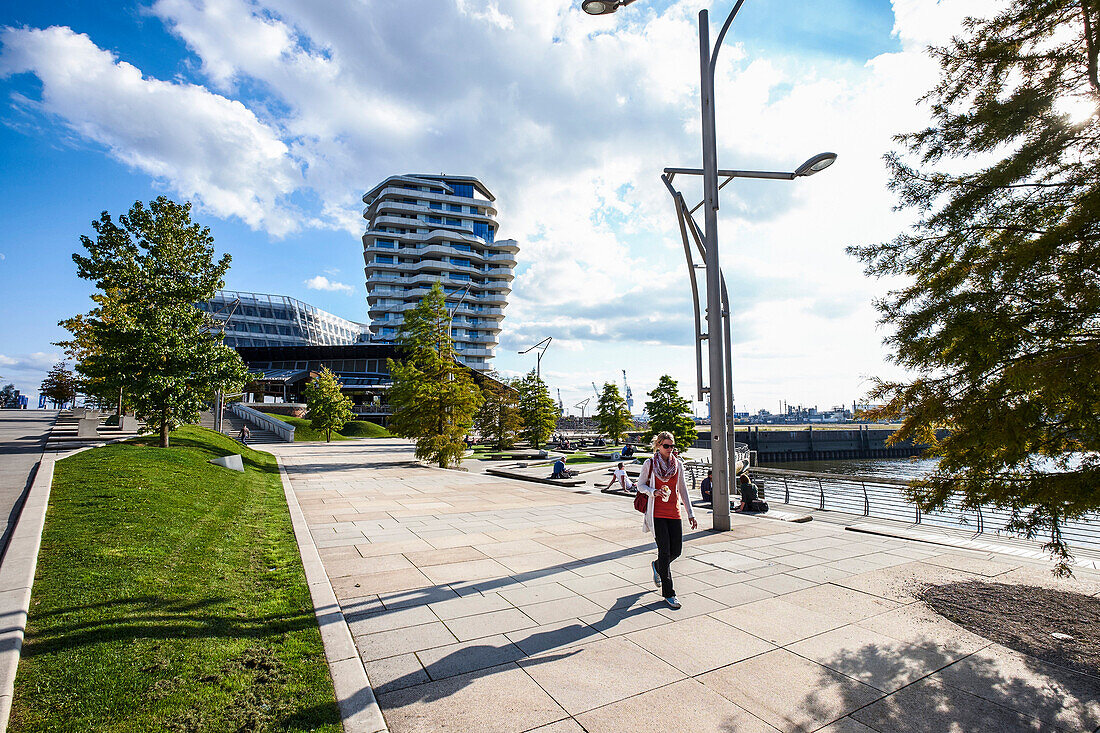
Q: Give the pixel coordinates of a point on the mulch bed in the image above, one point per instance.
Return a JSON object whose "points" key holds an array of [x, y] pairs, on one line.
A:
{"points": [[1025, 618]]}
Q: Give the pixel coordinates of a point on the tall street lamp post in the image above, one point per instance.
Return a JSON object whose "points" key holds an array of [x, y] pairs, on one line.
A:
{"points": [[717, 312], [544, 344]]}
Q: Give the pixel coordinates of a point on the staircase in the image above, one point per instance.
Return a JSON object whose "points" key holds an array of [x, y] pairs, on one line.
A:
{"points": [[231, 426]]}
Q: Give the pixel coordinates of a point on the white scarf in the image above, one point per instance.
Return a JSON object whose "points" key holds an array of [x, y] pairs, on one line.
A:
{"points": [[663, 469]]}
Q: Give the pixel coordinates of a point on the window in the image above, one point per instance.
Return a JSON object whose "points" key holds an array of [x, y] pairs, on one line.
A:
{"points": [[385, 259], [455, 207], [462, 247], [460, 261], [458, 276], [436, 205], [433, 219], [454, 222], [481, 229], [463, 189]]}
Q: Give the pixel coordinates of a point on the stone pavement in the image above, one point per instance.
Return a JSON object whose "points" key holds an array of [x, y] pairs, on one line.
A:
{"points": [[23, 436], [483, 604]]}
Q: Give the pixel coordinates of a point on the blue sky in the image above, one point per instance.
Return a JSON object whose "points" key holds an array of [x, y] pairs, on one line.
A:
{"points": [[274, 116]]}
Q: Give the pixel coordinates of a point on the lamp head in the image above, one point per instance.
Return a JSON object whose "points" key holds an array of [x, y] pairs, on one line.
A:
{"points": [[819, 162], [599, 7]]}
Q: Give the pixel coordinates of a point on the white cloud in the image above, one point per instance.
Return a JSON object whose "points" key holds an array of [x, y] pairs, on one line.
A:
{"points": [[320, 282], [569, 119], [201, 145]]}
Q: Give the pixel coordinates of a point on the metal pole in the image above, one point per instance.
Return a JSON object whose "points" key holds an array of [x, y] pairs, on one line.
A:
{"points": [[719, 448]]}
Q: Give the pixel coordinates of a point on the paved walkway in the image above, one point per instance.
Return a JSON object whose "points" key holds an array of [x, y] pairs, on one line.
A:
{"points": [[482, 604], [23, 436]]}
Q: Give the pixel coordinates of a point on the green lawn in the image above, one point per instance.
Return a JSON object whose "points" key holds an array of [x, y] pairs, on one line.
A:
{"points": [[170, 596], [584, 458], [303, 431]]}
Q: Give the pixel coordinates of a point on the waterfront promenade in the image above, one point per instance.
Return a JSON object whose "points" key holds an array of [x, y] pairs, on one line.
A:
{"points": [[23, 435], [483, 604]]}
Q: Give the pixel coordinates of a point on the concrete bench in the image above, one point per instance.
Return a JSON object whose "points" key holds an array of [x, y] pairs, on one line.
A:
{"points": [[535, 479]]}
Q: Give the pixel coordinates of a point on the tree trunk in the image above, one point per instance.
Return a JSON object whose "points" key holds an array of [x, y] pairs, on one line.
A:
{"points": [[164, 429], [120, 404], [328, 436]]}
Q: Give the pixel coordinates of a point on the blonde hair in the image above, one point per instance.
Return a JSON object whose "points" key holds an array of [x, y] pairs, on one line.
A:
{"points": [[661, 437]]}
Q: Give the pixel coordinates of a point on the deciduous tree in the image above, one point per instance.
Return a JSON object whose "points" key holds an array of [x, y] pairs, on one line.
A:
{"points": [[499, 421], [59, 386], [537, 409], [999, 316], [433, 396], [329, 408], [669, 411], [153, 267], [612, 413]]}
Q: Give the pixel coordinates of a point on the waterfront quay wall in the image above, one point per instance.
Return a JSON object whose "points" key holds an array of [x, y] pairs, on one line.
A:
{"points": [[810, 444]]}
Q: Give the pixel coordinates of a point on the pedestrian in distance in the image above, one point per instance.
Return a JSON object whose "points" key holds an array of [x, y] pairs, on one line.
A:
{"points": [[662, 478], [706, 489], [245, 434]]}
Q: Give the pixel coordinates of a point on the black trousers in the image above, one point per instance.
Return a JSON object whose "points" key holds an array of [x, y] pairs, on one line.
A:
{"points": [[669, 534]]}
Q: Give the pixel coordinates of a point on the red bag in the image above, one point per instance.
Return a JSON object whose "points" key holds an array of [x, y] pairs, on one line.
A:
{"points": [[641, 502]]}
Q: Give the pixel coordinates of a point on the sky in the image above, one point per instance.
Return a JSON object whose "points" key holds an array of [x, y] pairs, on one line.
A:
{"points": [[274, 117]]}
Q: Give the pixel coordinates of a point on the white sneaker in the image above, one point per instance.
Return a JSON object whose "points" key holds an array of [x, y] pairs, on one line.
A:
{"points": [[673, 602], [656, 575]]}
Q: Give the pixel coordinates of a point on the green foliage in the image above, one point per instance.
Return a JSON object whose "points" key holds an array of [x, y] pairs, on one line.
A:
{"points": [[60, 384], [1000, 316], [669, 411], [170, 596], [146, 336], [537, 409], [433, 396], [612, 414], [499, 421], [8, 396], [363, 429], [329, 408]]}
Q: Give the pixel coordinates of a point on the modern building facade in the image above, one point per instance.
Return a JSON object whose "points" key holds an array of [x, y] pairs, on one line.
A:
{"points": [[258, 319], [423, 229]]}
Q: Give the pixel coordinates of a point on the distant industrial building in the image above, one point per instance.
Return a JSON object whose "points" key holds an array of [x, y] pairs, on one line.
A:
{"points": [[423, 229], [257, 319]]}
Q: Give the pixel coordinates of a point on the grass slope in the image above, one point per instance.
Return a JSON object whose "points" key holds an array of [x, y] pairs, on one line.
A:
{"points": [[170, 596], [303, 430]]}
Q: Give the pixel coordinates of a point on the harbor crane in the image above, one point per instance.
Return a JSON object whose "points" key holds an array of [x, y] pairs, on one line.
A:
{"points": [[596, 390], [628, 395], [561, 407]]}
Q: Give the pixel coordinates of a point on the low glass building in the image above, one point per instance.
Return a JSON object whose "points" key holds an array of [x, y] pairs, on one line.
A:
{"points": [[258, 319]]}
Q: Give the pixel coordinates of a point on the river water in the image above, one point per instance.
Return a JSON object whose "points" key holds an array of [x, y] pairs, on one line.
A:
{"points": [[896, 468]]}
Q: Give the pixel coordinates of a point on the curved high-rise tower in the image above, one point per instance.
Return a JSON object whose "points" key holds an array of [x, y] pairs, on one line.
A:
{"points": [[423, 229]]}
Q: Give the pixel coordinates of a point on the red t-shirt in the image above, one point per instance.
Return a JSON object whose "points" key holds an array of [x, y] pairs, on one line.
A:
{"points": [[669, 509]]}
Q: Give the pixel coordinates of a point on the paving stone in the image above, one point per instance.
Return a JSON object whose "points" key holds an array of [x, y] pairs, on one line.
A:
{"points": [[789, 691], [781, 583], [467, 656], [697, 645], [596, 673], [624, 621], [401, 641], [917, 624], [560, 609], [464, 571], [387, 581], [683, 706], [842, 603], [376, 620], [525, 596], [777, 621], [874, 659], [469, 604], [424, 558], [487, 624], [497, 700], [930, 705], [1029, 686], [540, 639], [736, 595], [395, 673]]}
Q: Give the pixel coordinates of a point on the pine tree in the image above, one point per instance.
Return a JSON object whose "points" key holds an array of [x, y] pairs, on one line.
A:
{"points": [[612, 414], [329, 408], [669, 411], [537, 409], [1000, 316], [433, 396], [498, 422]]}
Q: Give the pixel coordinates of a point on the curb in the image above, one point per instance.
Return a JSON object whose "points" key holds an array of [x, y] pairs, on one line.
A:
{"points": [[354, 694], [16, 579]]}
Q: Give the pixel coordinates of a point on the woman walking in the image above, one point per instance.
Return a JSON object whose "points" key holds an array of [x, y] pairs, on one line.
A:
{"points": [[662, 478]]}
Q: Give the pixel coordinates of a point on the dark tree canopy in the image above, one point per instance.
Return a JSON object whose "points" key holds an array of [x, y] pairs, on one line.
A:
{"points": [[538, 411], [612, 413], [60, 384], [498, 422], [1000, 316]]}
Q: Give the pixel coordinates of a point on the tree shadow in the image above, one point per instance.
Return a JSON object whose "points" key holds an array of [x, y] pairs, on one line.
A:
{"points": [[938, 687]]}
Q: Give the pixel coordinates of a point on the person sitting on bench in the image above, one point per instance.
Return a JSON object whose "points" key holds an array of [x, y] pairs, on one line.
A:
{"points": [[706, 490], [628, 451], [559, 470], [750, 501], [619, 476]]}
